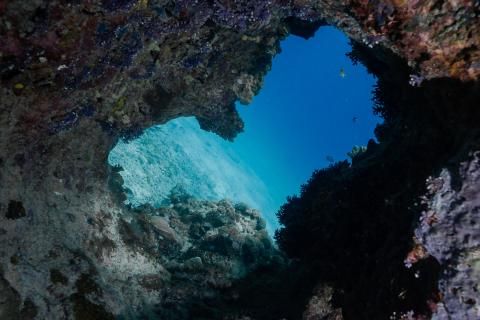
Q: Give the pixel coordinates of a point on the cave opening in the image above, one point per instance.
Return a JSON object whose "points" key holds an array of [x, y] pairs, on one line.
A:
{"points": [[314, 108], [391, 233]]}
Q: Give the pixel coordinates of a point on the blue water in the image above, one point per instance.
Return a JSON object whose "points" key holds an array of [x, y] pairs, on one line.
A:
{"points": [[314, 107]]}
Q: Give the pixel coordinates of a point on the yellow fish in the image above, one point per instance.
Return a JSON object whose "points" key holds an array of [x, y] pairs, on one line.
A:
{"points": [[342, 73]]}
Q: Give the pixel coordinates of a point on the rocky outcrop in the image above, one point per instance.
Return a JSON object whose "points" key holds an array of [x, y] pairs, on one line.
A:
{"points": [[77, 75], [448, 232], [165, 263], [157, 60]]}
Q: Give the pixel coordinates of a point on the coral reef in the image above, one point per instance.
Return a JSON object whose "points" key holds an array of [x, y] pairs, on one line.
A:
{"points": [[75, 76]]}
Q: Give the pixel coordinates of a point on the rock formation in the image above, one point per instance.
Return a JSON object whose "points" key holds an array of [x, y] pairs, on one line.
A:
{"points": [[78, 75], [165, 263]]}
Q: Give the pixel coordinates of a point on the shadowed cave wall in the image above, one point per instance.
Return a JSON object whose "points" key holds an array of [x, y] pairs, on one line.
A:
{"points": [[77, 75]]}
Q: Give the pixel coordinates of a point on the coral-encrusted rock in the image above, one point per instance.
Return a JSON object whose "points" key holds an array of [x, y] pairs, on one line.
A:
{"points": [[156, 60], [169, 261], [77, 75], [449, 231], [204, 247], [440, 38]]}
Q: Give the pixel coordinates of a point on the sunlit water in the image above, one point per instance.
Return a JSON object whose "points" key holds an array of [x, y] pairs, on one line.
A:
{"points": [[314, 107]]}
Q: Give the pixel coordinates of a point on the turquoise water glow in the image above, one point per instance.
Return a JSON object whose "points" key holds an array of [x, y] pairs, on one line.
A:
{"points": [[315, 105]]}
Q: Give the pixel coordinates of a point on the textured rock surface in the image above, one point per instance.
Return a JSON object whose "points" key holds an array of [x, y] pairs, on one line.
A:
{"points": [[156, 60], [449, 232], [159, 263], [76, 75]]}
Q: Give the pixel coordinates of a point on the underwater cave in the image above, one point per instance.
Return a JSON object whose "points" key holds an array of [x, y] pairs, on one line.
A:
{"points": [[234, 160]]}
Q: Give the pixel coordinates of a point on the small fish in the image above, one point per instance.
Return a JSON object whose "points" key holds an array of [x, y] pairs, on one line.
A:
{"points": [[342, 73], [354, 119], [330, 159]]}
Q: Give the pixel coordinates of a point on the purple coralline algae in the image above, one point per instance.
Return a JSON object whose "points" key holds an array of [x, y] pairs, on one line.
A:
{"points": [[448, 230]]}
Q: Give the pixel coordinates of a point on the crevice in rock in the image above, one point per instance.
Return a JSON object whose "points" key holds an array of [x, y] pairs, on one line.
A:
{"points": [[15, 210]]}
